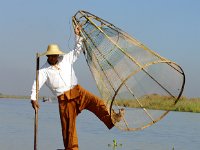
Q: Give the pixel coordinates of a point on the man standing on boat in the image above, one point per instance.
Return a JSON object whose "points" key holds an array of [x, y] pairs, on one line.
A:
{"points": [[58, 74]]}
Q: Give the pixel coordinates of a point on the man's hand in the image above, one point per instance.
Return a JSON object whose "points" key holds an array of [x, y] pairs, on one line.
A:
{"points": [[77, 30], [35, 104]]}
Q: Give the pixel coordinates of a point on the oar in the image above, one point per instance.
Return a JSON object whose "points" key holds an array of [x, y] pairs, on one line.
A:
{"points": [[37, 95]]}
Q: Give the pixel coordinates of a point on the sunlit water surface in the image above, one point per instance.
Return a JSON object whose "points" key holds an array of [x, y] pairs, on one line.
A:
{"points": [[180, 131]]}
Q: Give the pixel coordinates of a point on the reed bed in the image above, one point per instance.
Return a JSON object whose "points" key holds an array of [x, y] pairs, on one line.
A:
{"points": [[158, 102]]}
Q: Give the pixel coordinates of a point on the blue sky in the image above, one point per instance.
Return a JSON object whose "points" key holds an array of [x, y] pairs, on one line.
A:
{"points": [[170, 27]]}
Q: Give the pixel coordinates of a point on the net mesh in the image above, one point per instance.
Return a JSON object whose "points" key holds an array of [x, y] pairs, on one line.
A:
{"points": [[128, 74]]}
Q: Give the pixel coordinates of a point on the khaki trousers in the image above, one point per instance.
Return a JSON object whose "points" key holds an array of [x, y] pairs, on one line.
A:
{"points": [[71, 103]]}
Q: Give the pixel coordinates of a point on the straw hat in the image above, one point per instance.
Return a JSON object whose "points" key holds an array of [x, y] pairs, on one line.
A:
{"points": [[53, 49]]}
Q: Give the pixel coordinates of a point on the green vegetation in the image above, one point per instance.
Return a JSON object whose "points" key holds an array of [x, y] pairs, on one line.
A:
{"points": [[188, 105], [150, 102], [163, 103]]}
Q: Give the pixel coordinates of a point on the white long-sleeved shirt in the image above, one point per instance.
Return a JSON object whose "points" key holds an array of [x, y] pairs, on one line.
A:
{"points": [[59, 78]]}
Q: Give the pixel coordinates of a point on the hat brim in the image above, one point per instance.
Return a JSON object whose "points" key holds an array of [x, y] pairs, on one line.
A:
{"points": [[52, 53]]}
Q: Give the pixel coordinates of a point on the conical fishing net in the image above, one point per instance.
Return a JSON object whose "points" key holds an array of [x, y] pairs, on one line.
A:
{"points": [[128, 74]]}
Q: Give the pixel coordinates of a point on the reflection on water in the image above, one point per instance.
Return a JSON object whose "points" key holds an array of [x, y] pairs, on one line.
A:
{"points": [[178, 130]]}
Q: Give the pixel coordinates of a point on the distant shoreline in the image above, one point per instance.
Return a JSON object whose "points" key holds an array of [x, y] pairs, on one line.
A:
{"points": [[14, 96], [156, 103], [20, 97]]}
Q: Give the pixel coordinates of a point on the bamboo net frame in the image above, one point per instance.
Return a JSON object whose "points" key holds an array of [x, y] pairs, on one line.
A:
{"points": [[128, 73]]}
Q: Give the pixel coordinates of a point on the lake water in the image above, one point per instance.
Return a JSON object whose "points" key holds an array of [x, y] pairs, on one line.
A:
{"points": [[177, 130]]}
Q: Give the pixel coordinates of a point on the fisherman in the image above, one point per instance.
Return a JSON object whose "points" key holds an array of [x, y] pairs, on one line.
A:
{"points": [[58, 74]]}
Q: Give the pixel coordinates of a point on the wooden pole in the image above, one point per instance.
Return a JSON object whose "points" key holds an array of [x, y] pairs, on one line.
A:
{"points": [[37, 95]]}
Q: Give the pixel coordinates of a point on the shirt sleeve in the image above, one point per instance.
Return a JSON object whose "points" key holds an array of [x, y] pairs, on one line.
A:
{"points": [[73, 55], [42, 79]]}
